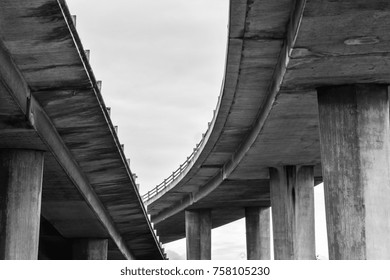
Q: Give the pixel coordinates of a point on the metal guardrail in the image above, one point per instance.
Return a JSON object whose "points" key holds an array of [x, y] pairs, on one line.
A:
{"points": [[175, 174]]}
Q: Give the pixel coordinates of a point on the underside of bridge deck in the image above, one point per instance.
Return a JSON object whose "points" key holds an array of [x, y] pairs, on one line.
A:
{"points": [[279, 54], [50, 102]]}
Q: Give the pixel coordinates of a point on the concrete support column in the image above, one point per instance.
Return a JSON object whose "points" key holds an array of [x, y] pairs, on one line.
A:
{"points": [[292, 201], [90, 249], [257, 221], [198, 234], [21, 173], [354, 134]]}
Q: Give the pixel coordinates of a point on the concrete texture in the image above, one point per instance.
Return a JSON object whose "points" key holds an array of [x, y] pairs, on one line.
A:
{"points": [[354, 129], [20, 203], [198, 234], [258, 238], [90, 249], [292, 201]]}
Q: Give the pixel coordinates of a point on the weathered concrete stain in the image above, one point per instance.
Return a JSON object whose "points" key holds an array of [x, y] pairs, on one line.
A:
{"points": [[51, 13]]}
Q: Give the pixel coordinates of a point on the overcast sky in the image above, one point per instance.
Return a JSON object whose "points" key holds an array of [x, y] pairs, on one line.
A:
{"points": [[162, 64]]}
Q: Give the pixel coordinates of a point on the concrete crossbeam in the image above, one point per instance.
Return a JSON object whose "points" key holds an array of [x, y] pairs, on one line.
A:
{"points": [[354, 133]]}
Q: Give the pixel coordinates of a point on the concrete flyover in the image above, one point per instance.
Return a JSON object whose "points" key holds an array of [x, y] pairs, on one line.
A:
{"points": [[66, 190], [304, 100]]}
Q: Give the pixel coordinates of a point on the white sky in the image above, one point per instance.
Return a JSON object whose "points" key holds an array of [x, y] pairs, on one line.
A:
{"points": [[162, 63]]}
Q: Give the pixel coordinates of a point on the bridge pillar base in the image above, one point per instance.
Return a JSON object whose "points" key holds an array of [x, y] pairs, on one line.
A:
{"points": [[292, 201], [198, 234], [257, 221], [21, 173], [354, 133], [90, 249]]}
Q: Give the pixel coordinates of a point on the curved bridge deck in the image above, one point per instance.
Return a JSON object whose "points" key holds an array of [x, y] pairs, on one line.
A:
{"points": [[279, 53]]}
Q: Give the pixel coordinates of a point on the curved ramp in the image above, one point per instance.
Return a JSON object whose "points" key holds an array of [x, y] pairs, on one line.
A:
{"points": [[278, 53]]}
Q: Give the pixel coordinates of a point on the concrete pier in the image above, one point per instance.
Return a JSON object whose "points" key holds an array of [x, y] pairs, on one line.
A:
{"points": [[292, 201], [90, 249], [257, 221], [198, 234], [20, 203], [354, 133]]}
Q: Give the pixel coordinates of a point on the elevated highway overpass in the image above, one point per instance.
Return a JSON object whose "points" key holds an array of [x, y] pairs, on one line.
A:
{"points": [[66, 190], [304, 99]]}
